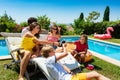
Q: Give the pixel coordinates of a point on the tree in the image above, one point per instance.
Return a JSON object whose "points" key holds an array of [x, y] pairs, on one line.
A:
{"points": [[44, 21], [81, 16], [79, 24], [64, 29], [7, 24], [106, 14], [93, 16]]}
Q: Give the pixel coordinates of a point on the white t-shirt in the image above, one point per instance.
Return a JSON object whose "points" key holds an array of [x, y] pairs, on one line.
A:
{"points": [[56, 70], [24, 31]]}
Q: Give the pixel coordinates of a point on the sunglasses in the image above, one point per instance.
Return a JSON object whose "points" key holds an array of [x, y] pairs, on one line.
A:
{"points": [[54, 28]]}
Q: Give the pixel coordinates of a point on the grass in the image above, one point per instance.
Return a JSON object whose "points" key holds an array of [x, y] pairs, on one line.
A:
{"points": [[109, 70], [1, 37], [9, 74]]}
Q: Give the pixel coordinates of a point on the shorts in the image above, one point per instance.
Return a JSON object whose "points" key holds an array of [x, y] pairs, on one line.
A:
{"points": [[79, 76]]}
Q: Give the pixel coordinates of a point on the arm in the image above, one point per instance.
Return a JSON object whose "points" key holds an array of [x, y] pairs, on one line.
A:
{"points": [[83, 52], [58, 57], [66, 69], [38, 41]]}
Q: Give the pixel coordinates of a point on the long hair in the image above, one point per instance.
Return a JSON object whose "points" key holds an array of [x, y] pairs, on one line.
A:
{"points": [[32, 26]]}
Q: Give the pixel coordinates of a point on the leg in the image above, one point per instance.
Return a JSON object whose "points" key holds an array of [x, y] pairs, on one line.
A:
{"points": [[88, 56], [82, 56], [24, 63], [97, 76]]}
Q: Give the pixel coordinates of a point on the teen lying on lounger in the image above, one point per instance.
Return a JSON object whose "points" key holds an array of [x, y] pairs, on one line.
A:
{"points": [[61, 72]]}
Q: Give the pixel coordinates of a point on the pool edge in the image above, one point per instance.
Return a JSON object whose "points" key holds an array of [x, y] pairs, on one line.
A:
{"points": [[5, 57], [105, 58]]}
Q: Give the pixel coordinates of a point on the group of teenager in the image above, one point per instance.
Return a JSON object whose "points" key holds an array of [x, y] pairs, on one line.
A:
{"points": [[34, 47]]}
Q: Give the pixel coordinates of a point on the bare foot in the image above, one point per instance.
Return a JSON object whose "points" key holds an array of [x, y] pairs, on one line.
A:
{"points": [[21, 78]]}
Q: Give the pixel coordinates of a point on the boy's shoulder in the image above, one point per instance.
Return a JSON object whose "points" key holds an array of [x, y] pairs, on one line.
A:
{"points": [[51, 59]]}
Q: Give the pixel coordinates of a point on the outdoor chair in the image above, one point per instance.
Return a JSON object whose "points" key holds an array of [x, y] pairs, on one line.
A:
{"points": [[39, 63]]}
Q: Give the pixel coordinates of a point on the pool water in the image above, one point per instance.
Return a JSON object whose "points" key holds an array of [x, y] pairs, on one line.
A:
{"points": [[110, 50], [3, 48]]}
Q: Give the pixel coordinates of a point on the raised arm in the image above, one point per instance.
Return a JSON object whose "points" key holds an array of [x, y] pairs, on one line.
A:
{"points": [[61, 55]]}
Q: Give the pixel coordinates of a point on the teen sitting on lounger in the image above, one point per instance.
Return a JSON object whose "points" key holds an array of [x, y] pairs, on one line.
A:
{"points": [[29, 40], [61, 72]]}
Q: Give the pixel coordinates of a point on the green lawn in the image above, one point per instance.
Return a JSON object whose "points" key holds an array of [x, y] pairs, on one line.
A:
{"points": [[1, 37], [9, 74]]}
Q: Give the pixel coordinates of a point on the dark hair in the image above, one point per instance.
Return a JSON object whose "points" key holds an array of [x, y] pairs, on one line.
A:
{"points": [[31, 20], [60, 31], [37, 34], [33, 25], [54, 25]]}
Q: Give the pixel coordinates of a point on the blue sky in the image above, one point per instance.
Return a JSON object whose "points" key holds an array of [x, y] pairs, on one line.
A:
{"points": [[60, 11]]}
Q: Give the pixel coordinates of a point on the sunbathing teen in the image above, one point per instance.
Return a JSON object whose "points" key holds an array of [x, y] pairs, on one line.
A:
{"points": [[81, 53], [29, 41], [61, 72]]}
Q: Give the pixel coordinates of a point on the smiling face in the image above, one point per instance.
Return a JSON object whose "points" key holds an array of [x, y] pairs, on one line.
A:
{"points": [[34, 27], [37, 29], [54, 29]]}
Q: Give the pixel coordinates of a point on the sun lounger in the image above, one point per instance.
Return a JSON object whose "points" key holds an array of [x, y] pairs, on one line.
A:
{"points": [[14, 43]]}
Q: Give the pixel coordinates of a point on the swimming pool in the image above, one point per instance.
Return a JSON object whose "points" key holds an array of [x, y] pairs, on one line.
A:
{"points": [[3, 48], [110, 50]]}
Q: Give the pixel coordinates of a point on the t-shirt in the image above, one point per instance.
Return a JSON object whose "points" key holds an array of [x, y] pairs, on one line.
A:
{"points": [[56, 70], [80, 47], [24, 31]]}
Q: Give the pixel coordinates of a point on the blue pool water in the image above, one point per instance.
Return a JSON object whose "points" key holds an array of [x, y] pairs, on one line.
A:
{"points": [[103, 48], [3, 48]]}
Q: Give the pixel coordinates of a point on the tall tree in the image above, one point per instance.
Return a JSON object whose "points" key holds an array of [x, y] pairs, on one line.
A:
{"points": [[79, 24], [81, 16], [106, 14]]}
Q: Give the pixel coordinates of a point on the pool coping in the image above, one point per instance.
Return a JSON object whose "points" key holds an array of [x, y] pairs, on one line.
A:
{"points": [[106, 41], [97, 40], [5, 57], [106, 58]]}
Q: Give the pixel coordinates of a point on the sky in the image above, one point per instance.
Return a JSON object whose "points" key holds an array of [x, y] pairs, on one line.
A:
{"points": [[60, 11]]}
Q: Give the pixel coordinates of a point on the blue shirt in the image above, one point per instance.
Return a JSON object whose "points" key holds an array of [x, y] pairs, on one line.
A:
{"points": [[56, 70]]}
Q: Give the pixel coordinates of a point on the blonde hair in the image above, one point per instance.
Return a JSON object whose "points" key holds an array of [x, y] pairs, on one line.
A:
{"points": [[46, 50]]}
